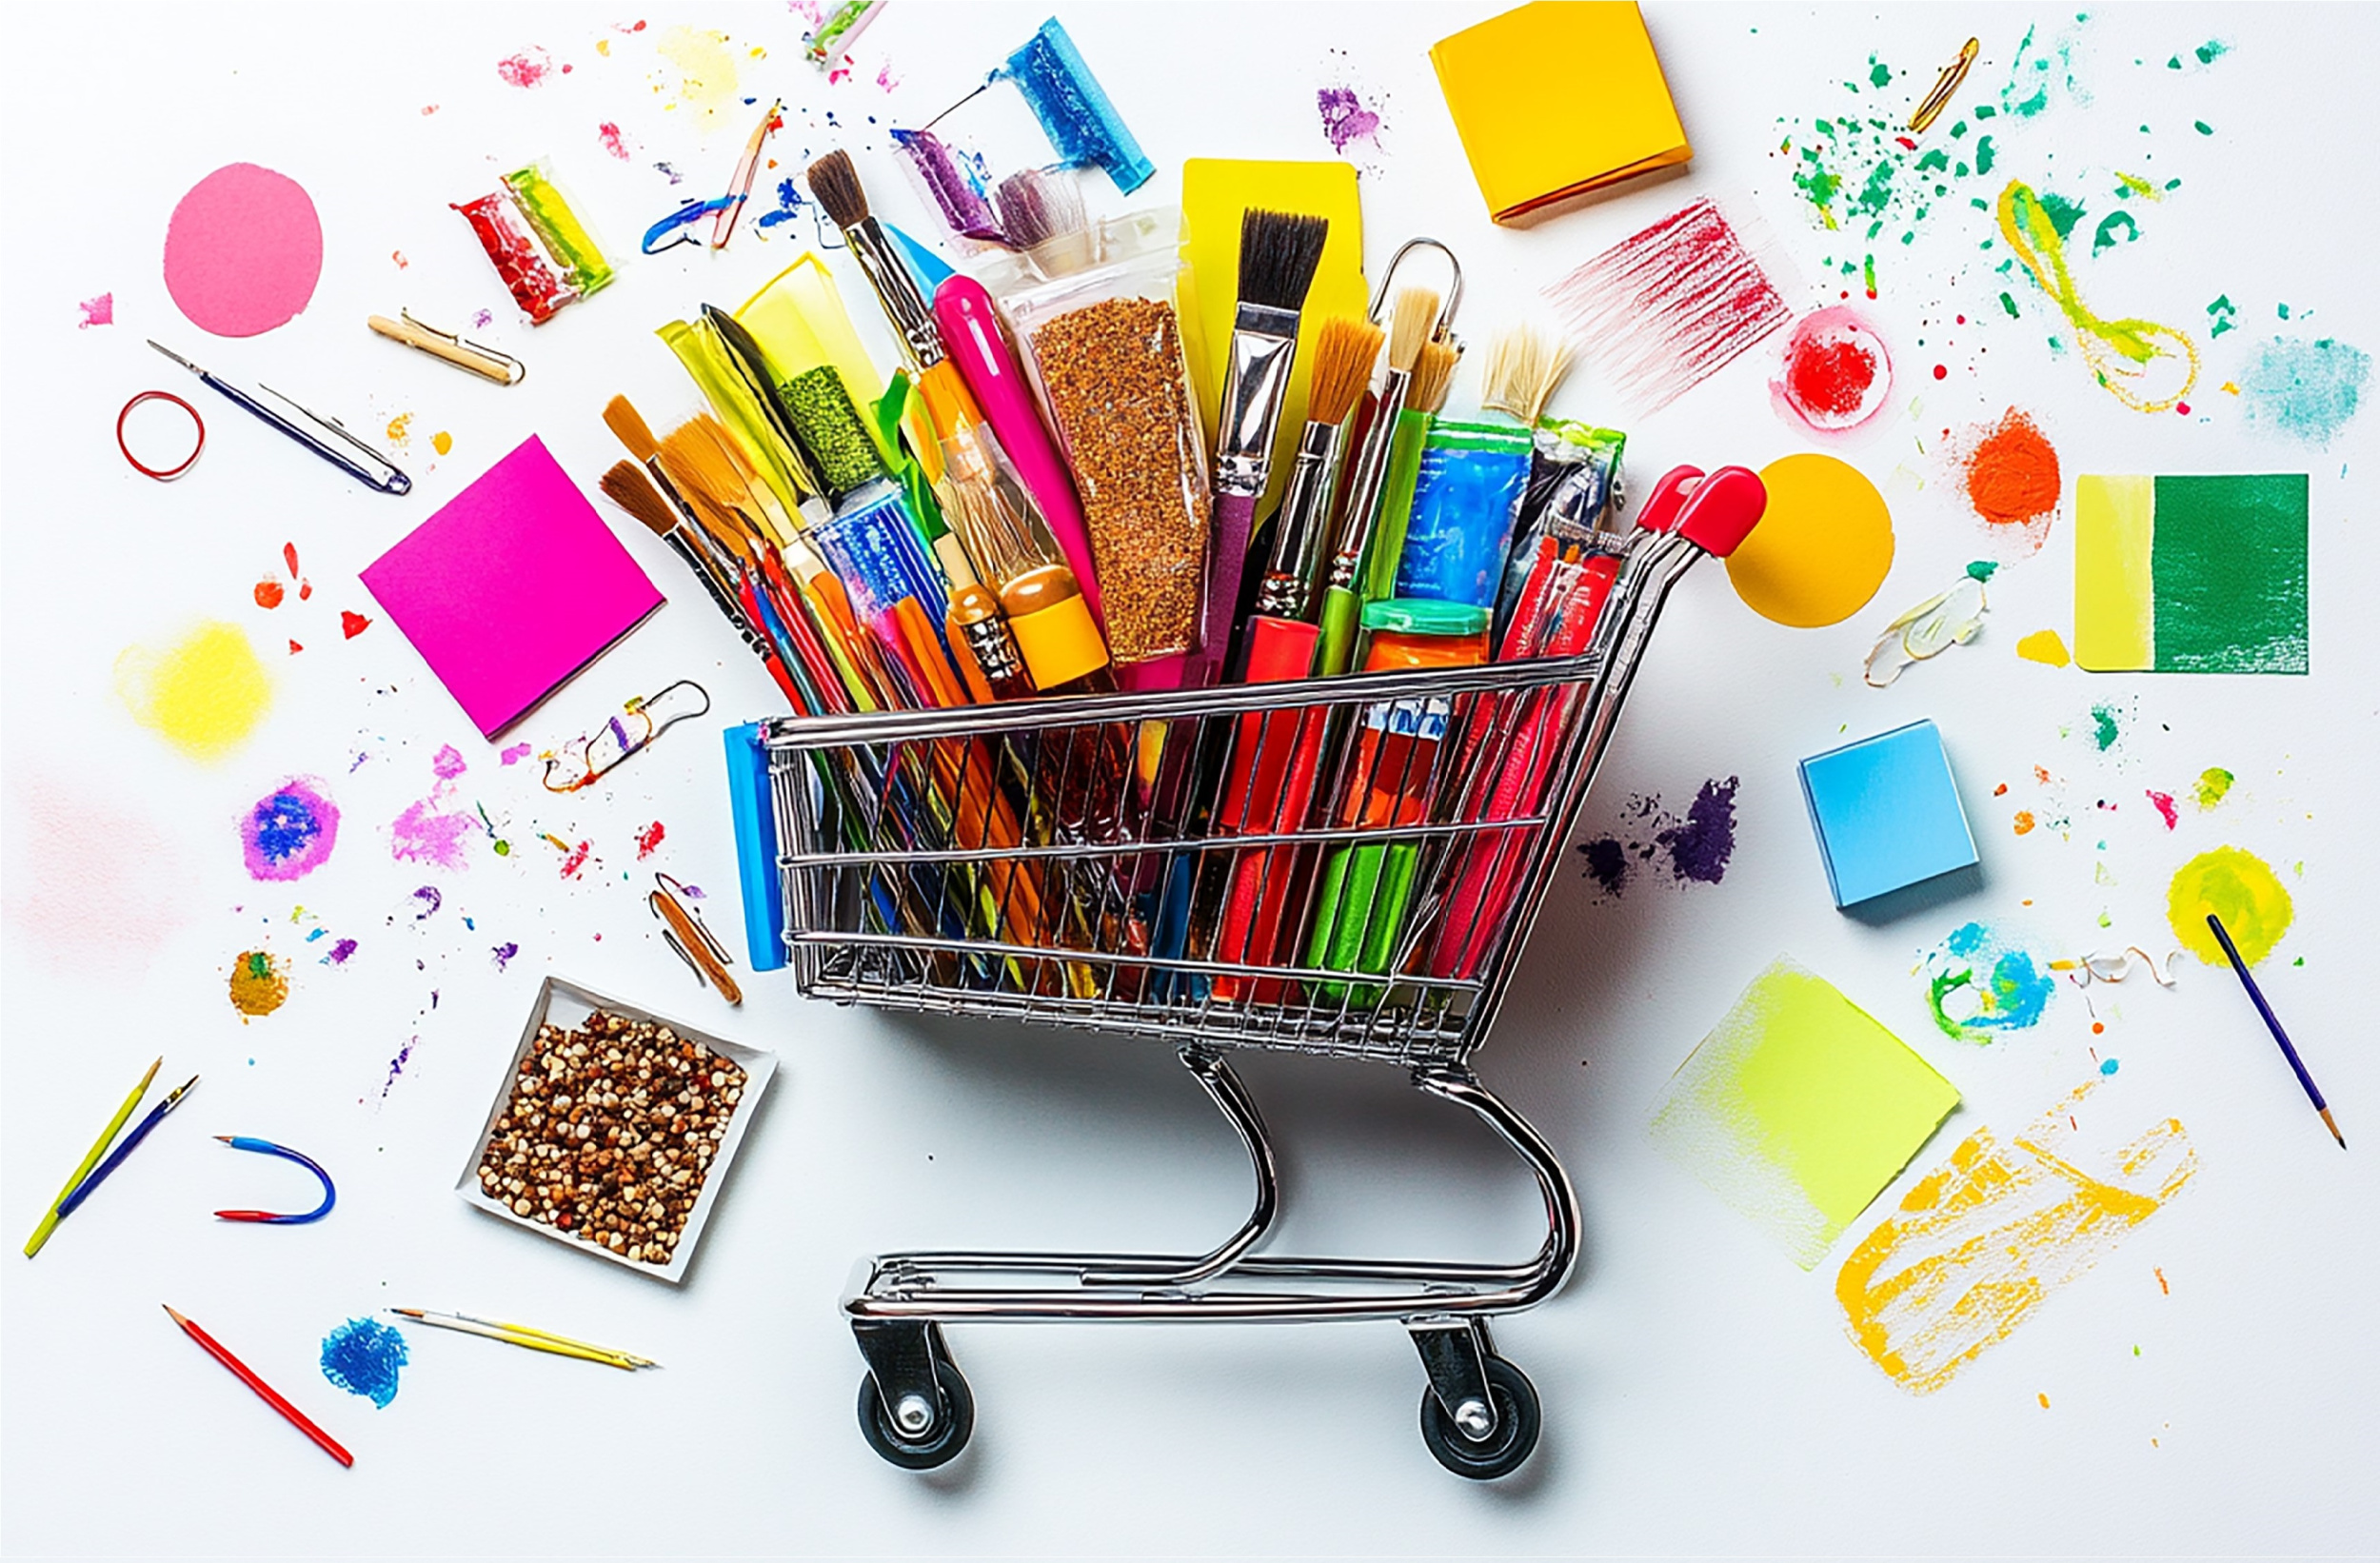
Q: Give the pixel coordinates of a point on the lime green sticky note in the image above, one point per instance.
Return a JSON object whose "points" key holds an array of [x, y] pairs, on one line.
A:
{"points": [[1798, 1108]]}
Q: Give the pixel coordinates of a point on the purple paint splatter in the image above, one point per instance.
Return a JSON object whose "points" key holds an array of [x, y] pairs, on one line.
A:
{"points": [[424, 833], [339, 953], [1607, 863], [1346, 119], [484, 319], [515, 755], [431, 900], [289, 832], [505, 952], [396, 1065], [1696, 849]]}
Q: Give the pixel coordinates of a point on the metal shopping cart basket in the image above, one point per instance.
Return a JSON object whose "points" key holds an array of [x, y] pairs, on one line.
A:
{"points": [[1346, 867]]}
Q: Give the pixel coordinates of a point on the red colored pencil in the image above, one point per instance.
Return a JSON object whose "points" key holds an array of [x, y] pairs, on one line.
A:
{"points": [[264, 1392]]}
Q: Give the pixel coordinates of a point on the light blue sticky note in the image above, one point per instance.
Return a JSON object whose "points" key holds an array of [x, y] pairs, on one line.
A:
{"points": [[1887, 813]]}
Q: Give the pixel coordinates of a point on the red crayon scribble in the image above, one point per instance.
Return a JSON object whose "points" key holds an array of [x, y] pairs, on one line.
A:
{"points": [[649, 838], [1667, 308]]}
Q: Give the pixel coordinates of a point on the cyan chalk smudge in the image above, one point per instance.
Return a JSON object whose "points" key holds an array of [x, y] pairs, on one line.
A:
{"points": [[2306, 391], [362, 1356], [1992, 986]]}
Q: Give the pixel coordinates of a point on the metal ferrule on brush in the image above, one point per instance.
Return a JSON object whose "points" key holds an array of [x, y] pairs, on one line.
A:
{"points": [[897, 291], [1287, 591], [1363, 490], [1264, 347], [994, 651]]}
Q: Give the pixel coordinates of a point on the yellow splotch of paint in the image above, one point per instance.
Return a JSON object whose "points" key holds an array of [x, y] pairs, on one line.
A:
{"points": [[2240, 888], [706, 66], [1980, 1242], [206, 693], [260, 983], [442, 442], [400, 431], [2043, 645], [2214, 782]]}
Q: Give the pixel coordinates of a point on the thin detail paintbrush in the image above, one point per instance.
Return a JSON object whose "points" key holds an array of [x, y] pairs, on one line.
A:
{"points": [[522, 1336], [131, 1143], [2272, 1024], [1279, 253], [99, 1148], [1345, 349], [1411, 320]]}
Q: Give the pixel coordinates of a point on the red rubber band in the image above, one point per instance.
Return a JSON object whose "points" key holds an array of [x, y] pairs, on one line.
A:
{"points": [[170, 473]]}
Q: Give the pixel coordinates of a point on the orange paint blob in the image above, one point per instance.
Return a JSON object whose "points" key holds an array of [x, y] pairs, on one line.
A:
{"points": [[2023, 822], [2012, 474], [268, 594]]}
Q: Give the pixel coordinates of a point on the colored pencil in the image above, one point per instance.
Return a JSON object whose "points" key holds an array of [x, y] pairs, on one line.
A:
{"points": [[264, 1390], [72, 1202], [521, 1335], [2272, 1024], [49, 1215]]}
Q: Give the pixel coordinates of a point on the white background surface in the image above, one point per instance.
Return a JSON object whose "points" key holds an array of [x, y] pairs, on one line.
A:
{"points": [[1700, 1394]]}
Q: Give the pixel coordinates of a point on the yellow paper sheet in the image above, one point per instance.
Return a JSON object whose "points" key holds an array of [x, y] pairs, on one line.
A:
{"points": [[2115, 537], [1798, 1108], [1215, 192]]}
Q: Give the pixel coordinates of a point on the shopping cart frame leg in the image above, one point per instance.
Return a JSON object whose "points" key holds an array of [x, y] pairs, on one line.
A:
{"points": [[1453, 1354], [1224, 1084]]}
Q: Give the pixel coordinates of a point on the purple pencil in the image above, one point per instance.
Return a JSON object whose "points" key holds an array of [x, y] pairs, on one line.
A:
{"points": [[2272, 1024]]}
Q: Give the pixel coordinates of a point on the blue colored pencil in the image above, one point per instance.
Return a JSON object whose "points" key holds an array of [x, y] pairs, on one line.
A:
{"points": [[2272, 1024], [115, 1158]]}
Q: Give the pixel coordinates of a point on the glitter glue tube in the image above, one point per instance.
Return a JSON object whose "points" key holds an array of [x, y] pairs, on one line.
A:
{"points": [[567, 239], [956, 189], [971, 328], [1466, 491], [1366, 889], [799, 322], [535, 283], [1104, 349], [871, 543], [1073, 109]]}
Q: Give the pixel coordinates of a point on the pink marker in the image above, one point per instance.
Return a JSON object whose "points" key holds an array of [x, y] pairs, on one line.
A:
{"points": [[971, 330]]}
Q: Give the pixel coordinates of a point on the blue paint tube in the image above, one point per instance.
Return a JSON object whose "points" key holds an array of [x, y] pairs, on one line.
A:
{"points": [[1465, 497], [1073, 108], [1572, 496], [874, 545]]}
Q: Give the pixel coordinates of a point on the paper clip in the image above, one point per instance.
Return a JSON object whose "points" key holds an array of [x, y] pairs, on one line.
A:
{"points": [[683, 931], [1944, 87], [623, 736], [446, 346], [268, 1218]]}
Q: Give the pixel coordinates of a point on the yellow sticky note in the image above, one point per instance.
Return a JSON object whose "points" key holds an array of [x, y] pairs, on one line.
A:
{"points": [[1556, 99], [1798, 1108], [1215, 192], [2114, 591]]}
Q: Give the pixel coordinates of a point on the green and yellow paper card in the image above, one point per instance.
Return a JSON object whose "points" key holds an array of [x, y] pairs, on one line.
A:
{"points": [[2191, 574]]}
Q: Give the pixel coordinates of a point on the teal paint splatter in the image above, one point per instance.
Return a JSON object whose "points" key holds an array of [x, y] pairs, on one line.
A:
{"points": [[2204, 129], [2212, 50], [1985, 155], [362, 1356], [1978, 985], [2063, 214], [2009, 304], [2223, 315], [1879, 74], [2114, 228], [1983, 569], [2108, 1067], [2103, 728], [2305, 390]]}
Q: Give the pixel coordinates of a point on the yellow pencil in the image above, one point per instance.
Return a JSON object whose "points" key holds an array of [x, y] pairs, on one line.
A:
{"points": [[560, 1340], [535, 1340], [107, 1138]]}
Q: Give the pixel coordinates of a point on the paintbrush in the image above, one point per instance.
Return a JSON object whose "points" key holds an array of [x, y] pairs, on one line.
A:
{"points": [[1411, 325], [1345, 349], [1279, 253], [1425, 396], [535, 1340]]}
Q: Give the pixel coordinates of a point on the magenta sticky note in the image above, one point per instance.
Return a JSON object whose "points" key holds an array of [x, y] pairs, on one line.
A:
{"points": [[512, 587]]}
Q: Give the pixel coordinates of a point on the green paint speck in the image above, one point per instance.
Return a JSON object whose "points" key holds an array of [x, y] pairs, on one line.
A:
{"points": [[2208, 53], [1880, 74], [2221, 313], [2009, 305], [1871, 276], [2212, 783], [1983, 569], [2282, 309], [2173, 63], [2114, 228], [2204, 129], [1984, 111], [2103, 726]]}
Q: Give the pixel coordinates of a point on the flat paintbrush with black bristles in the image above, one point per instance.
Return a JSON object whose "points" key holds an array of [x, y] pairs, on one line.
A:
{"points": [[1279, 253]]}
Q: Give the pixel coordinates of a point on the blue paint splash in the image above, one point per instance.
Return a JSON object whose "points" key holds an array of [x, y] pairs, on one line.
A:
{"points": [[2306, 391], [505, 952], [363, 1357], [289, 832], [1978, 985]]}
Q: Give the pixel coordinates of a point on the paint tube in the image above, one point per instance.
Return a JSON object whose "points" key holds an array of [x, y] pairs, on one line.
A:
{"points": [[1572, 496], [1466, 493], [537, 244]]}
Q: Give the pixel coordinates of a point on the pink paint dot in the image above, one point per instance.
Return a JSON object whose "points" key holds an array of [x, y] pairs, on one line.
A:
{"points": [[529, 67], [98, 311], [2182, 407], [244, 249]]}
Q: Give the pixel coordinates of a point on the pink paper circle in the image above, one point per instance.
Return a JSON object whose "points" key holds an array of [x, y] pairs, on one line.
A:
{"points": [[243, 250]]}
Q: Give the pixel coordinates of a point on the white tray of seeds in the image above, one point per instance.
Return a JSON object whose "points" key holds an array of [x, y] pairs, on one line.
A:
{"points": [[613, 1129]]}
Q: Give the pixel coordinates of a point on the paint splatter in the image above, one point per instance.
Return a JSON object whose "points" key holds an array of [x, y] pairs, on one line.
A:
{"points": [[339, 953], [289, 832], [1945, 620], [706, 66], [514, 755], [504, 954], [609, 135], [268, 593], [1979, 985], [1838, 373], [649, 840], [1669, 306], [2163, 802], [97, 311], [1798, 1108], [448, 762], [1345, 118], [2040, 70], [2114, 228], [428, 832], [351, 623], [364, 1356], [2105, 728], [400, 431], [885, 77], [2045, 646], [2024, 822], [405, 1055], [574, 859], [1695, 849], [789, 205], [260, 983], [2214, 784], [529, 67], [1980, 1242], [2119, 353], [206, 693], [2304, 390], [429, 898], [2222, 316], [2009, 474], [442, 442], [2240, 888], [484, 319]]}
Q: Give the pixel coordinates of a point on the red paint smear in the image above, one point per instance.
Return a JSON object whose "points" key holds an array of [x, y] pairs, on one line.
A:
{"points": [[1831, 378], [268, 594], [2012, 473], [576, 860], [288, 557], [2164, 801], [527, 68], [354, 624], [1941, 371], [2182, 407], [648, 839], [295, 648], [612, 144], [306, 589]]}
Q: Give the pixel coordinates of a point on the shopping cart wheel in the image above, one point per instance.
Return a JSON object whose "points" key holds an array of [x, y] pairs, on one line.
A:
{"points": [[1506, 1445], [937, 1432]]}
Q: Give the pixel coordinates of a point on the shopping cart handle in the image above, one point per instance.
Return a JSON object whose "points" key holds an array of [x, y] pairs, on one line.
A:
{"points": [[1668, 498], [1722, 510]]}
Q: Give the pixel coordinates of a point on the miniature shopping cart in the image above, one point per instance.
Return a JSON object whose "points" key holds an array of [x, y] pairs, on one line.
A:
{"points": [[1161, 865]]}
